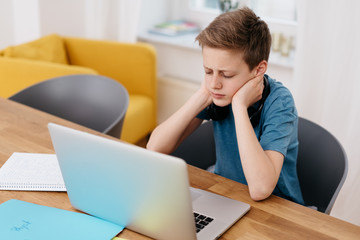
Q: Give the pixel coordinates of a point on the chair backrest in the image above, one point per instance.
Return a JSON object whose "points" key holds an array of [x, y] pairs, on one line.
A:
{"points": [[198, 149], [321, 166], [94, 101]]}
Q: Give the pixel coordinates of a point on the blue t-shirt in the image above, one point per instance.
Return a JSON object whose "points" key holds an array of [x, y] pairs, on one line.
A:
{"points": [[277, 130]]}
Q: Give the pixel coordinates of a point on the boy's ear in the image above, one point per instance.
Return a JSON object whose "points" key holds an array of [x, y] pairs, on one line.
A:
{"points": [[261, 68]]}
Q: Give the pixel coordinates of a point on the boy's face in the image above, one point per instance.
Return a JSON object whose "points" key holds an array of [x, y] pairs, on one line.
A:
{"points": [[225, 73]]}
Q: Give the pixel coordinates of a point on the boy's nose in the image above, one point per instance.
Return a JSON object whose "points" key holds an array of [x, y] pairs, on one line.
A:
{"points": [[216, 82]]}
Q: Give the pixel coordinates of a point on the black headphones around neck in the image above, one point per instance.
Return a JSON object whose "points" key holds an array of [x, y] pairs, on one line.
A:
{"points": [[217, 113]]}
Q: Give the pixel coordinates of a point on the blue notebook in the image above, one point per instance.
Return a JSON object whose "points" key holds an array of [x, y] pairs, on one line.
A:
{"points": [[21, 220]]}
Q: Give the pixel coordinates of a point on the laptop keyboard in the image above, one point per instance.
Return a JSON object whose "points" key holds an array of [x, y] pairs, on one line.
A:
{"points": [[201, 221]]}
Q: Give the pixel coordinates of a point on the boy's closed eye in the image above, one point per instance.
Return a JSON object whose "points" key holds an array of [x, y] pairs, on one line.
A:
{"points": [[208, 70], [227, 75], [223, 74]]}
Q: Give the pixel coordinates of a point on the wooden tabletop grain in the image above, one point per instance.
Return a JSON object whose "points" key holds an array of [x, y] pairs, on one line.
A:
{"points": [[23, 129]]}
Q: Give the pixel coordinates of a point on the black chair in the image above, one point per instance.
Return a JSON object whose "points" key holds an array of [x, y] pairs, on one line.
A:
{"points": [[94, 101], [322, 163], [198, 149], [322, 166]]}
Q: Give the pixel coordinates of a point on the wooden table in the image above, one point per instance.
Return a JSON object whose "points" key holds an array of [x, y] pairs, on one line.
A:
{"points": [[23, 129]]}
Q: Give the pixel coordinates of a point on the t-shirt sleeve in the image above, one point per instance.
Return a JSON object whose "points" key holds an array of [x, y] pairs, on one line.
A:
{"points": [[280, 124]]}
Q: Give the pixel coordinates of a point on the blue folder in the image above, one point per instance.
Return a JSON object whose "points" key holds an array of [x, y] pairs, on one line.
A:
{"points": [[21, 220]]}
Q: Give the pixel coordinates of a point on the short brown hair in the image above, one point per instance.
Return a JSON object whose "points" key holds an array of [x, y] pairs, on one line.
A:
{"points": [[240, 29]]}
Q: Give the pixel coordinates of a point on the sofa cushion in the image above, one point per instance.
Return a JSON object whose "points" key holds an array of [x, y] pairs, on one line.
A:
{"points": [[13, 80], [50, 48]]}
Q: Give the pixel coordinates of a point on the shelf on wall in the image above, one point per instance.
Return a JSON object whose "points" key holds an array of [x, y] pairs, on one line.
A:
{"points": [[187, 41]]}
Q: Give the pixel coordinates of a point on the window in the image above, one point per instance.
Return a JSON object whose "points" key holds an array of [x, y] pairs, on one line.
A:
{"points": [[268, 9], [205, 5]]}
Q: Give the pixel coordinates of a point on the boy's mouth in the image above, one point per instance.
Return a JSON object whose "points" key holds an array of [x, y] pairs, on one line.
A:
{"points": [[217, 95]]}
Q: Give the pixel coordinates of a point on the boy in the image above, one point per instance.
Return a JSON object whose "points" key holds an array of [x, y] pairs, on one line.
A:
{"points": [[254, 117]]}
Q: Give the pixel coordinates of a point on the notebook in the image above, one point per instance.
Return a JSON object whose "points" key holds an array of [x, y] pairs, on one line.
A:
{"points": [[145, 191], [31, 172]]}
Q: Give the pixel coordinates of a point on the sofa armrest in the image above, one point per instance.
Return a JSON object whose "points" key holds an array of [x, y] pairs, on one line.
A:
{"points": [[133, 65], [17, 74]]}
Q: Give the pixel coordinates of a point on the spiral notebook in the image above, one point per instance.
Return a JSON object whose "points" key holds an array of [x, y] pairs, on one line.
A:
{"points": [[31, 172]]}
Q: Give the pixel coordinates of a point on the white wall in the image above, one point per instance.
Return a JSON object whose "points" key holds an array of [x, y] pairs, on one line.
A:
{"points": [[97, 19], [6, 24], [153, 12], [19, 21], [65, 17], [26, 20]]}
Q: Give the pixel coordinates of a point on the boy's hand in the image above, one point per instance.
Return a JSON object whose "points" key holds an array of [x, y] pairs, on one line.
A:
{"points": [[204, 94], [249, 93]]}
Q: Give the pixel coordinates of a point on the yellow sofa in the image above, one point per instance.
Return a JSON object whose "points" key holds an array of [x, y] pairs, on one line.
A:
{"points": [[133, 65]]}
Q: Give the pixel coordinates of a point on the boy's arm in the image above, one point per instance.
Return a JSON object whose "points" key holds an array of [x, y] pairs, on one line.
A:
{"points": [[261, 168], [168, 135]]}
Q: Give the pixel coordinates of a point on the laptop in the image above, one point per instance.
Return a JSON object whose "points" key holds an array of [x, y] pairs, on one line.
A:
{"points": [[145, 191]]}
